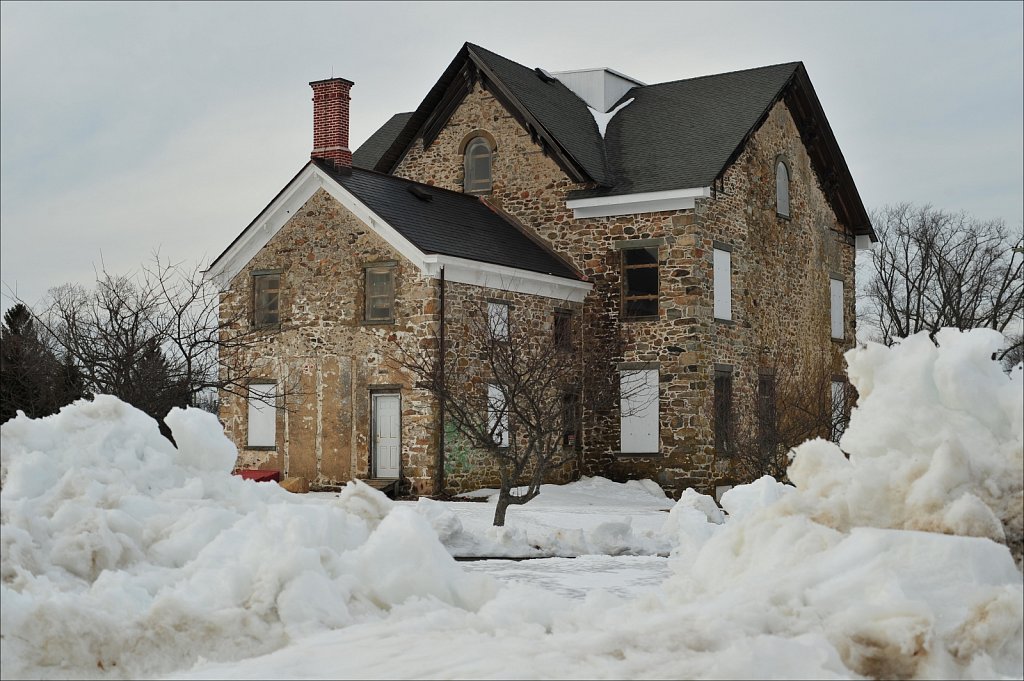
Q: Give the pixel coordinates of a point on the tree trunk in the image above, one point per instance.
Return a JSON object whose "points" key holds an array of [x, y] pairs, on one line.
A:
{"points": [[499, 512]]}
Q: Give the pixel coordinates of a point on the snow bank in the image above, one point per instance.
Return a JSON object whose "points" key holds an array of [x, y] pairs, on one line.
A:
{"points": [[936, 443], [124, 555], [592, 516]]}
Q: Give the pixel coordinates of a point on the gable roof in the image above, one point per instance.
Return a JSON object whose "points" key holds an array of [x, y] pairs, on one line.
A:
{"points": [[449, 223], [370, 151], [418, 220], [678, 135]]}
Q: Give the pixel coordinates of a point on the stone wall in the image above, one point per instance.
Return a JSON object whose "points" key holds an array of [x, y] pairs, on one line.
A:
{"points": [[327, 361], [780, 278]]}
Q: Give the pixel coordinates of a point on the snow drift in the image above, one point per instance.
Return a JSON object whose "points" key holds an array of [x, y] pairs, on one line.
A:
{"points": [[124, 554]]}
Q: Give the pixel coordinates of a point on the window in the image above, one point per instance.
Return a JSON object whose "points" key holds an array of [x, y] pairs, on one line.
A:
{"points": [[262, 415], [478, 167], [640, 282], [266, 298], [563, 330], [839, 417], [497, 415], [723, 410], [497, 320], [767, 424], [836, 295], [638, 416], [723, 284], [570, 420], [380, 293], [781, 188]]}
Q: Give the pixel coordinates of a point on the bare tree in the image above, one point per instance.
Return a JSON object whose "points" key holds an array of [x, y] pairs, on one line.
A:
{"points": [[933, 269], [154, 339], [514, 392], [797, 399]]}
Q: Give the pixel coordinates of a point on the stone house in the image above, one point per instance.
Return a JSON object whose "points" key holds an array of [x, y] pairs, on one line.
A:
{"points": [[708, 225]]}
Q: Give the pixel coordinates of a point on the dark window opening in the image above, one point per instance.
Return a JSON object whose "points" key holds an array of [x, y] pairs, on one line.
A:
{"points": [[723, 412], [571, 420], [563, 330], [767, 416], [640, 282]]}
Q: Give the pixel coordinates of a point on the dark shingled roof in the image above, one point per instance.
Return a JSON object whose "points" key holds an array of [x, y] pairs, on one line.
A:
{"points": [[684, 133], [674, 135], [370, 151], [449, 223]]}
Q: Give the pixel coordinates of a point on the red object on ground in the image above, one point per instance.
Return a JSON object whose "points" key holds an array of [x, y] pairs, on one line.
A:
{"points": [[260, 476]]}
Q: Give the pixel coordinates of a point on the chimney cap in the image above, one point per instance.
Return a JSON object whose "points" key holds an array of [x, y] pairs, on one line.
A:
{"points": [[331, 80]]}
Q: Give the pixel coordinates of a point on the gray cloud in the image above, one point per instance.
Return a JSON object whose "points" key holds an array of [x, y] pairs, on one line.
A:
{"points": [[128, 127]]}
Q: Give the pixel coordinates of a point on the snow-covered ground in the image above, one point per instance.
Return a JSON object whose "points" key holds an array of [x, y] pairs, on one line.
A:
{"points": [[125, 557]]}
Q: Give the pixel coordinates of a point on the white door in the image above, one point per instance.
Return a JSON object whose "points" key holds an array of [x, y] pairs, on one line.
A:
{"points": [[387, 435]]}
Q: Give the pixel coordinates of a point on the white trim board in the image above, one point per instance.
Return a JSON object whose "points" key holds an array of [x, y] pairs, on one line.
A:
{"points": [[269, 222], [642, 202]]}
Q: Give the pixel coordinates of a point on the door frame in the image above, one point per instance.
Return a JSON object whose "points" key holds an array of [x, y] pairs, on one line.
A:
{"points": [[374, 394]]}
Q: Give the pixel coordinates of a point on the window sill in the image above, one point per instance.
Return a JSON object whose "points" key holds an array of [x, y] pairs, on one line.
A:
{"points": [[637, 455], [378, 322], [270, 328], [649, 318], [255, 448], [839, 341], [787, 218], [725, 322]]}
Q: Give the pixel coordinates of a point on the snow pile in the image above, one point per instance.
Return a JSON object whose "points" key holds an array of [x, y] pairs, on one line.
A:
{"points": [[936, 444], [603, 118], [123, 554], [592, 516]]}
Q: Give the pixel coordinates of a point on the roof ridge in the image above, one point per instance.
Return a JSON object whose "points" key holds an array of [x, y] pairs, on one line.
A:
{"points": [[794, 64]]}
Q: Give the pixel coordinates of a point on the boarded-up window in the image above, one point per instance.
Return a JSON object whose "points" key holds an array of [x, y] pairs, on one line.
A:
{"points": [[836, 296], [782, 189], [380, 293], [638, 421], [497, 320], [767, 419], [262, 415], [497, 415], [723, 411], [477, 166], [266, 299], [640, 282], [563, 330], [723, 284]]}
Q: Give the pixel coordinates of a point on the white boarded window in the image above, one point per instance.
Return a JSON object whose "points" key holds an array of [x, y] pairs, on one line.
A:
{"points": [[836, 293], [262, 415], [638, 421], [497, 415], [782, 189], [497, 320], [723, 284]]}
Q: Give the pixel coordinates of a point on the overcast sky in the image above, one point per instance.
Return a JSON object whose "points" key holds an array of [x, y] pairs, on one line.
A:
{"points": [[130, 127]]}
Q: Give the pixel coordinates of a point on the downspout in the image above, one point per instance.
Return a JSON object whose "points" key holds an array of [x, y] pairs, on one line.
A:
{"points": [[439, 482]]}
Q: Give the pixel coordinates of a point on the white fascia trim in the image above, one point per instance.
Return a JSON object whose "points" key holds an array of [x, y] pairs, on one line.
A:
{"points": [[505, 278], [273, 218], [643, 202]]}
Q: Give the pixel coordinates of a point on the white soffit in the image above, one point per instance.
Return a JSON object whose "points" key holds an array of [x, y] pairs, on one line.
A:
{"points": [[274, 217], [505, 278], [632, 204]]}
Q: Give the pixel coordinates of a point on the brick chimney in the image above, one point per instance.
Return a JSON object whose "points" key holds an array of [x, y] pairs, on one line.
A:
{"points": [[330, 121]]}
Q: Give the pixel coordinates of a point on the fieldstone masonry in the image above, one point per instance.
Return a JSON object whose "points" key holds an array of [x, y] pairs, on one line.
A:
{"points": [[327, 361]]}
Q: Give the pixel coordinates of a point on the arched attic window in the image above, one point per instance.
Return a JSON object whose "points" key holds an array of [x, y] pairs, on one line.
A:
{"points": [[478, 166], [781, 188]]}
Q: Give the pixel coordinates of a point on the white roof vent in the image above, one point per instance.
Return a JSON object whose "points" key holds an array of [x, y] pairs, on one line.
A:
{"points": [[600, 88]]}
